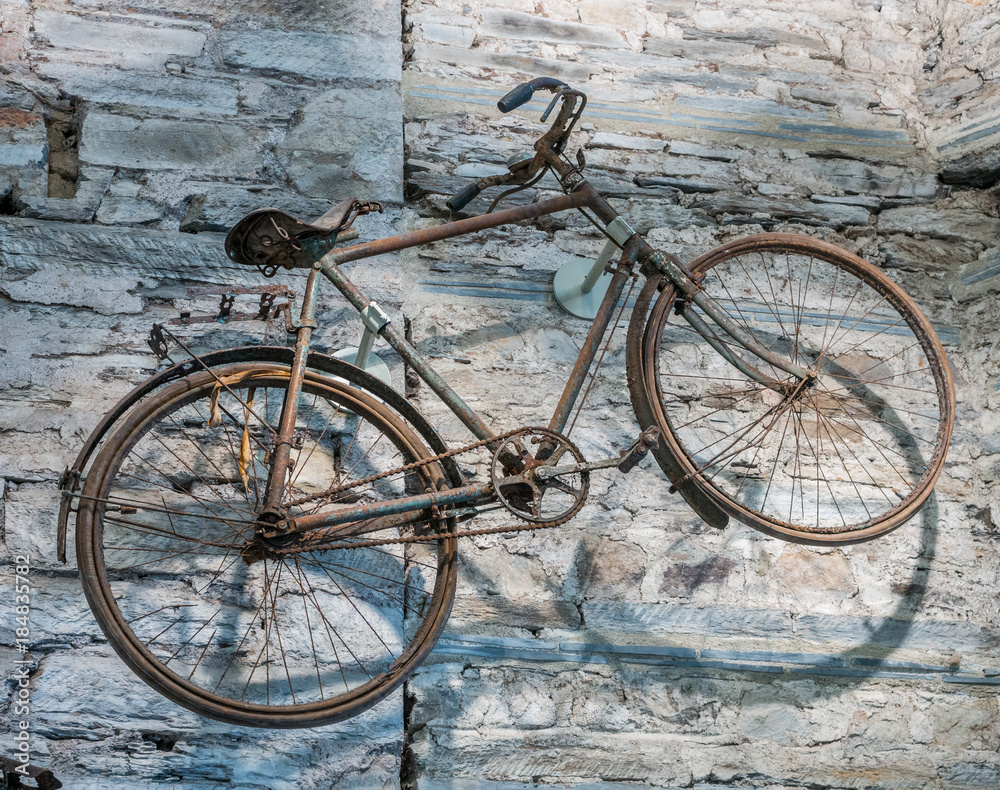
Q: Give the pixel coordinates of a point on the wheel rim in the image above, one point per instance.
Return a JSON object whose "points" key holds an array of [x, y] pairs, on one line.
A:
{"points": [[847, 459], [266, 641]]}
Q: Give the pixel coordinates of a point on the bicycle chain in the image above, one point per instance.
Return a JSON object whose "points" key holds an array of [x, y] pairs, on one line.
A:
{"points": [[417, 538], [400, 469], [469, 533]]}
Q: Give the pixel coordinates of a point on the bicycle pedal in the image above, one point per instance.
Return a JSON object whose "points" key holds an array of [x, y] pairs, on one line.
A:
{"points": [[634, 454]]}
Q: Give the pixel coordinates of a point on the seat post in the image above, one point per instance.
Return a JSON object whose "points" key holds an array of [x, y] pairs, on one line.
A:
{"points": [[289, 409]]}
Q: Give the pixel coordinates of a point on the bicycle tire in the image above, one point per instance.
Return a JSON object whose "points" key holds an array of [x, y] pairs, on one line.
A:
{"points": [[846, 460], [370, 614]]}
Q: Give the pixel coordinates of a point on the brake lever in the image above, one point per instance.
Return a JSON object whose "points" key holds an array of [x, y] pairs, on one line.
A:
{"points": [[564, 135], [552, 104]]}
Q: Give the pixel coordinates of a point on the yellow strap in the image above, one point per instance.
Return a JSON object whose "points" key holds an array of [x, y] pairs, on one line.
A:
{"points": [[244, 460]]}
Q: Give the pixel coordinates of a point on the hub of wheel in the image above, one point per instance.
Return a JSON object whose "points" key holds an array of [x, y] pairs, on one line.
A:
{"points": [[268, 539]]}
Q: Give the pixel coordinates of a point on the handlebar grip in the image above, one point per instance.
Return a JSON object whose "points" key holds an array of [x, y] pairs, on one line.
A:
{"points": [[515, 98], [461, 199], [523, 92]]}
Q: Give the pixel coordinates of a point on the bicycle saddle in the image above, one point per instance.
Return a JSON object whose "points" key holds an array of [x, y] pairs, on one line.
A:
{"points": [[269, 238]]}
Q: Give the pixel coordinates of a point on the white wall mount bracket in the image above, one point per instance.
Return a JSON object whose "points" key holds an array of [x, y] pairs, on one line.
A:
{"points": [[373, 320], [579, 285]]}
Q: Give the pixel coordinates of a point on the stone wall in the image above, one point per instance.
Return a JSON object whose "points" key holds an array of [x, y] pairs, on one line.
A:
{"points": [[635, 646]]}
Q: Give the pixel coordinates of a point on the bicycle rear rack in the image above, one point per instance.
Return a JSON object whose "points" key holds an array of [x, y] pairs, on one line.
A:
{"points": [[267, 308]]}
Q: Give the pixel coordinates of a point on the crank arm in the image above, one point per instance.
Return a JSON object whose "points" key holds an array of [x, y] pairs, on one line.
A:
{"points": [[625, 462], [548, 472]]}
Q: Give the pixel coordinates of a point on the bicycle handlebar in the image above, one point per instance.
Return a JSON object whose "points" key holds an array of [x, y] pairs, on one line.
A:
{"points": [[520, 95], [461, 199], [468, 193]]}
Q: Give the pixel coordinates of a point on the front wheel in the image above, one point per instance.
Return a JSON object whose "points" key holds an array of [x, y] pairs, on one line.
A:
{"points": [[283, 632], [848, 456]]}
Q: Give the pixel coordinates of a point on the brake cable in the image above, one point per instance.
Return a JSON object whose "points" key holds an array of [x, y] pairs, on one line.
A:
{"points": [[517, 189]]}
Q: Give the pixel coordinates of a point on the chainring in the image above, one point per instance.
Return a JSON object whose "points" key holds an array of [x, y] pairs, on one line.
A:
{"points": [[549, 500]]}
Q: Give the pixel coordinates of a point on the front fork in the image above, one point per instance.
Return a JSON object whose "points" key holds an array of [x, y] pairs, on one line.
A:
{"points": [[693, 292], [281, 454]]}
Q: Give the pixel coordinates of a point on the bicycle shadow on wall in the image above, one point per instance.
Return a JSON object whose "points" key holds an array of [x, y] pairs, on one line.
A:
{"points": [[872, 638], [884, 632]]}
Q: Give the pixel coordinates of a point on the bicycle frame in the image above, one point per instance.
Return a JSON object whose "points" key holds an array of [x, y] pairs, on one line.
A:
{"points": [[634, 250]]}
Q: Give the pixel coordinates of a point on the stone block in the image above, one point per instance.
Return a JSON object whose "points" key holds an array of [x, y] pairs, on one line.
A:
{"points": [[22, 155], [315, 55], [120, 37], [779, 190], [713, 51], [814, 95], [757, 36], [685, 148], [13, 96], [952, 224], [626, 142], [947, 93], [28, 246], [15, 26], [481, 58], [869, 202], [644, 215], [219, 208], [979, 170], [625, 15], [196, 94], [767, 211], [270, 97], [507, 25], [80, 208], [926, 255], [861, 134], [28, 510], [347, 142], [24, 149], [451, 35], [156, 143], [116, 210], [758, 107], [107, 295], [683, 184], [644, 164], [376, 17], [862, 178]]}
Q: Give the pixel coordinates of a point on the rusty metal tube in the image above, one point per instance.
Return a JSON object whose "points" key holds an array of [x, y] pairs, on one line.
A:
{"points": [[347, 515], [413, 358], [289, 409], [589, 351], [463, 226]]}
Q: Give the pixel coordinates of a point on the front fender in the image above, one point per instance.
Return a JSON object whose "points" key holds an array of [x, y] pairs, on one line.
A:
{"points": [[641, 391]]}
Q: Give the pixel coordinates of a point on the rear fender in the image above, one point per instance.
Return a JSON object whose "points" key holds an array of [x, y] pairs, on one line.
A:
{"points": [[72, 479]]}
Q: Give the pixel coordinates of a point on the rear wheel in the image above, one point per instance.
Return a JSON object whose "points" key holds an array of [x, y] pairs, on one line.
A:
{"points": [[844, 458], [253, 631]]}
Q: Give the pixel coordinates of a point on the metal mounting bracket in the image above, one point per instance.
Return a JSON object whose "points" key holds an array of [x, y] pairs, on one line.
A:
{"points": [[619, 230], [374, 318]]}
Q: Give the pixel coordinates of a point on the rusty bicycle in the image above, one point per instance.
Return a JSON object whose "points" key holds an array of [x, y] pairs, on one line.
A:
{"points": [[268, 535]]}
